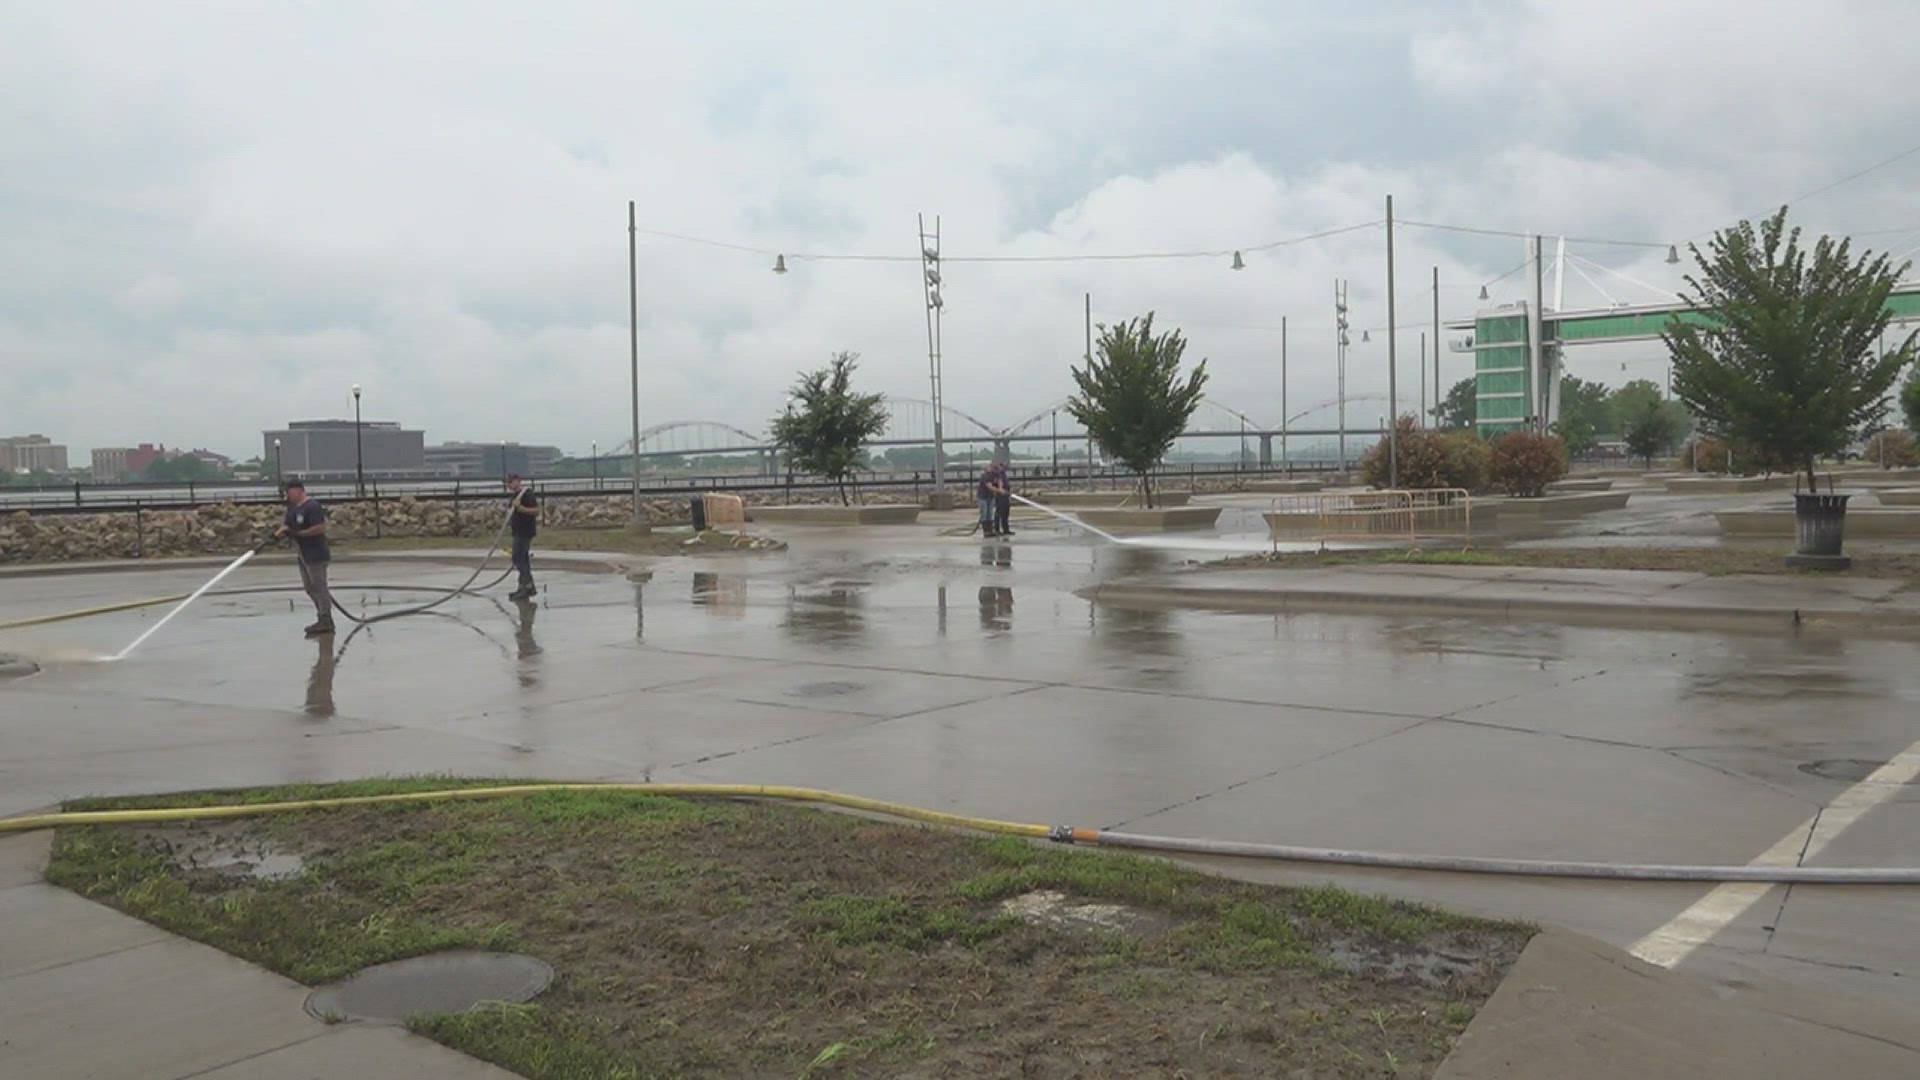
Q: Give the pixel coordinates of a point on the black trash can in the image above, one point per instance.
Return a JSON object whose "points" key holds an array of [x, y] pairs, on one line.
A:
{"points": [[699, 513], [1821, 522]]}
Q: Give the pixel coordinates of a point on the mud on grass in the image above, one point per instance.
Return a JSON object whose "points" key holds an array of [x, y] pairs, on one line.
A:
{"points": [[707, 938]]}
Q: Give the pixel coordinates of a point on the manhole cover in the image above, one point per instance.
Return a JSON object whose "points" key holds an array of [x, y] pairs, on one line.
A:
{"points": [[827, 689], [12, 666], [448, 982], [1851, 770]]}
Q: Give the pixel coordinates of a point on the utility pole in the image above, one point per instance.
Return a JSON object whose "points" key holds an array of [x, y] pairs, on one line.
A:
{"points": [[930, 281], [1536, 351], [633, 356], [1436, 339], [1283, 390], [1421, 367], [1340, 361], [1393, 367]]}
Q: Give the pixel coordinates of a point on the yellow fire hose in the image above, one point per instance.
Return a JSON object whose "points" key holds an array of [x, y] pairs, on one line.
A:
{"points": [[1827, 875]]}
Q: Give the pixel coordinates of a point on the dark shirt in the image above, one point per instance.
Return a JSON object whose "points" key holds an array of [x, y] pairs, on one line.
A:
{"points": [[313, 549], [527, 525], [984, 490]]}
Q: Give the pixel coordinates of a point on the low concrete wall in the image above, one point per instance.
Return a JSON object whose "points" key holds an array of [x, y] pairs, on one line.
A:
{"points": [[1580, 485], [1159, 519], [1874, 476], [1285, 487], [1567, 505], [1728, 485], [836, 515], [1900, 497], [1894, 523], [1111, 498]]}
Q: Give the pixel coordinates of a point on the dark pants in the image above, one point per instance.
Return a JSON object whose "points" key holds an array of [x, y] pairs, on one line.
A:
{"points": [[313, 577], [523, 560], [1002, 510]]}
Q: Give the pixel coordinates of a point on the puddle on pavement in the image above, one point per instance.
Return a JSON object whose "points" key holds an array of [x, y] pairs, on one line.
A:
{"points": [[448, 982], [13, 666]]}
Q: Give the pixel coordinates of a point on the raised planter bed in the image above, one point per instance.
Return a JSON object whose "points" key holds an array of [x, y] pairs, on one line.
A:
{"points": [[1554, 505], [1128, 519], [1583, 484], [1899, 497], [1111, 498], [1779, 521], [1284, 487], [883, 514], [1728, 485]]}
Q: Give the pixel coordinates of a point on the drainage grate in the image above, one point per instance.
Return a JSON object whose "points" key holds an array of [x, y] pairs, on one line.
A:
{"points": [[1850, 770]]}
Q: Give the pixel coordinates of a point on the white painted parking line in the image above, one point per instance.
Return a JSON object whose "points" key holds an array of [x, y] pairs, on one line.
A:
{"points": [[1712, 913]]}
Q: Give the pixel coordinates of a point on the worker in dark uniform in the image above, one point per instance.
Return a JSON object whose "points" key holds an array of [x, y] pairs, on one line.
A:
{"points": [[526, 525], [306, 523]]}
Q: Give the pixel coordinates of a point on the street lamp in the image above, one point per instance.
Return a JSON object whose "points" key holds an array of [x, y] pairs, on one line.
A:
{"points": [[503, 461], [279, 477], [593, 460], [359, 463]]}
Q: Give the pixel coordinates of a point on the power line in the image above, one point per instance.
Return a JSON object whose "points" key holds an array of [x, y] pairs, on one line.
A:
{"points": [[1531, 235], [1209, 253]]}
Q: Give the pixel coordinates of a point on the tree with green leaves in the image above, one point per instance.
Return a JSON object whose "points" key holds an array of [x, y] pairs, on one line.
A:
{"points": [[1784, 360], [826, 427], [1583, 414], [1910, 400], [1652, 431], [1456, 411], [1132, 400]]}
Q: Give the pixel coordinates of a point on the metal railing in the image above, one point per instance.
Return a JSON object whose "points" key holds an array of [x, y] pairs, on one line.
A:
{"points": [[84, 498], [1391, 516]]}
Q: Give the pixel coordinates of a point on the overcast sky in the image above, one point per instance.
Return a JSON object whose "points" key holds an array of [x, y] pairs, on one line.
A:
{"points": [[216, 217]]}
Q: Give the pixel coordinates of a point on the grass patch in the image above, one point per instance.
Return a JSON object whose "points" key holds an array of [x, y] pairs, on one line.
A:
{"points": [[697, 938]]}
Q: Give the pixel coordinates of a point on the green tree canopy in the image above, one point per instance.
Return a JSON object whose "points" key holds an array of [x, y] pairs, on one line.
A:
{"points": [[1132, 400], [1910, 400], [1785, 361], [1583, 414], [825, 431], [182, 468], [1652, 431], [1456, 410]]}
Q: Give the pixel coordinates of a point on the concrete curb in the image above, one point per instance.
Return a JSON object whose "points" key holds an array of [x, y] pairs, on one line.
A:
{"points": [[1588, 612]]}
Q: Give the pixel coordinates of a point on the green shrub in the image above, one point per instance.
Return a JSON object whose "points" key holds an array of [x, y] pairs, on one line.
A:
{"points": [[1707, 455], [1524, 464], [1428, 459], [1898, 447]]}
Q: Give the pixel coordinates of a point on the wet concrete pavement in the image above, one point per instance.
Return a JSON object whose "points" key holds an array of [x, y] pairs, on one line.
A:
{"points": [[941, 671]]}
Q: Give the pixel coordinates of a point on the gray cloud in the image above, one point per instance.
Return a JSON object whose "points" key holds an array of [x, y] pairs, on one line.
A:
{"points": [[220, 216]]}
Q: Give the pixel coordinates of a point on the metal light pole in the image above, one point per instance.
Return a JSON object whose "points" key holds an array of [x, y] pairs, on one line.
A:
{"points": [[1393, 366], [503, 461], [1283, 390], [359, 468], [930, 281], [593, 462], [1340, 360], [279, 475], [1436, 340], [633, 355]]}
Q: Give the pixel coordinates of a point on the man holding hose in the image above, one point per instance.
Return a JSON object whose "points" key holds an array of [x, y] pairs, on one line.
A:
{"points": [[306, 522], [526, 525]]}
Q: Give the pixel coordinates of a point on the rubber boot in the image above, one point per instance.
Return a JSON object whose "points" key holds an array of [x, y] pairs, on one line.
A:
{"points": [[320, 629]]}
